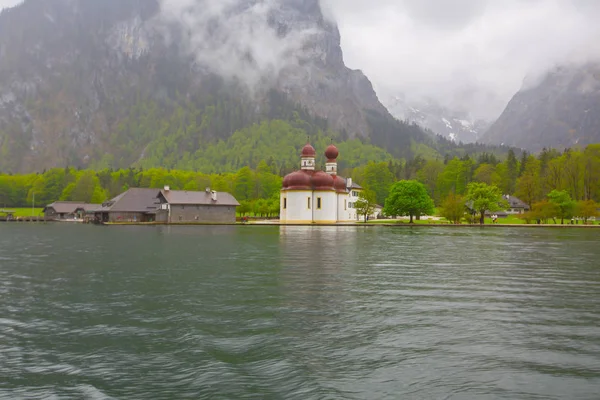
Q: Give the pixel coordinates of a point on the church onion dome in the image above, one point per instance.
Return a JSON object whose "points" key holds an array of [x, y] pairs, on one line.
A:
{"points": [[332, 153], [322, 181], [339, 184], [308, 151], [299, 180]]}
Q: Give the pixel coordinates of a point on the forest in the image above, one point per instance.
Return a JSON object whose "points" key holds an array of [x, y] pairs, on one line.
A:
{"points": [[527, 176]]}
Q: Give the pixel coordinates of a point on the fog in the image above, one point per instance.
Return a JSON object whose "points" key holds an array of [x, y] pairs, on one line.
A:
{"points": [[466, 54], [235, 38], [471, 55]]}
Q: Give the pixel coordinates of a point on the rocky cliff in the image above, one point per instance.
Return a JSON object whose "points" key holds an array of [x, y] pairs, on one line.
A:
{"points": [[560, 110], [83, 79]]}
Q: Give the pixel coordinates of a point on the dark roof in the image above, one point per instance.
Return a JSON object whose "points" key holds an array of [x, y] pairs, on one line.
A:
{"points": [[89, 207], [356, 186], [198, 198], [133, 200], [69, 207], [514, 202]]}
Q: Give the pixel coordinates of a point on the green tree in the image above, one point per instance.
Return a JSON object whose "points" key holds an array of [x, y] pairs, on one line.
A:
{"points": [[586, 209], [512, 166], [244, 184], [365, 205], [544, 210], [485, 173], [453, 208], [378, 178], [429, 175], [565, 205], [408, 198], [484, 198], [244, 208], [528, 185]]}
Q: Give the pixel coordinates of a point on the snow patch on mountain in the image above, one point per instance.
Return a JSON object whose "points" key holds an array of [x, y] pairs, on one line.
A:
{"points": [[458, 126]]}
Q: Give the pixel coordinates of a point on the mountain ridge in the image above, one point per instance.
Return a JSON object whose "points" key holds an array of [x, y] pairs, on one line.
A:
{"points": [[557, 110]]}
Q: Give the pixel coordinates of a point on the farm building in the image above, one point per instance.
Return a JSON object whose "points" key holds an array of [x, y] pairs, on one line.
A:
{"points": [[178, 206]]}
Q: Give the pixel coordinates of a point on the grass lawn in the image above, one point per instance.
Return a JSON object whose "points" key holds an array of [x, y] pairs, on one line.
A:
{"points": [[25, 212]]}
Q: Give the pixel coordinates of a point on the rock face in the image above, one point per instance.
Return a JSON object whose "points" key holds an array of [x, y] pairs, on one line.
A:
{"points": [[73, 72], [457, 126], [561, 110]]}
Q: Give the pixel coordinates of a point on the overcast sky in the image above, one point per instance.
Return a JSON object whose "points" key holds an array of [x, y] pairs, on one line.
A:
{"points": [[469, 53]]}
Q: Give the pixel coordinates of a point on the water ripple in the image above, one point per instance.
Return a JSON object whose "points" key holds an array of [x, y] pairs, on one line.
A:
{"points": [[298, 313]]}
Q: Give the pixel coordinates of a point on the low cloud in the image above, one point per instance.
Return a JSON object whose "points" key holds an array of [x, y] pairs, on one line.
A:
{"points": [[239, 39], [469, 54]]}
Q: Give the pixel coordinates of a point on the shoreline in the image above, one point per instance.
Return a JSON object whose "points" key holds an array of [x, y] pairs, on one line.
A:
{"points": [[342, 224], [387, 225]]}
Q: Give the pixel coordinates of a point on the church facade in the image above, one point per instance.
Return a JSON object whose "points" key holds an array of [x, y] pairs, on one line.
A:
{"points": [[317, 197]]}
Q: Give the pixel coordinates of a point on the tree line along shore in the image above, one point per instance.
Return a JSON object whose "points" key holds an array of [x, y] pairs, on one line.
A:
{"points": [[557, 186]]}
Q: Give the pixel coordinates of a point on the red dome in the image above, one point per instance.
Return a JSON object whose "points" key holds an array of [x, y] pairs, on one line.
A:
{"points": [[322, 181], [298, 180], [308, 151], [339, 184], [332, 153]]}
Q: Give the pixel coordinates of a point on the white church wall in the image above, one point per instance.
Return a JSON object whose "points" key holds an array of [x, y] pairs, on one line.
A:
{"points": [[297, 206], [327, 212]]}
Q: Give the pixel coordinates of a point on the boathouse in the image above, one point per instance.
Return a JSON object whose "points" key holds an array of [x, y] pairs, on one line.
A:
{"points": [[67, 210], [134, 205], [178, 206]]}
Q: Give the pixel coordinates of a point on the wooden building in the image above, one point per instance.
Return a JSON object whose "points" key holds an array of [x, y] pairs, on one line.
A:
{"points": [[68, 210], [178, 206], [134, 205]]}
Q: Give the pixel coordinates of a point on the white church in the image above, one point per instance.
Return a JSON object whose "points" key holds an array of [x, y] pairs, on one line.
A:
{"points": [[318, 197]]}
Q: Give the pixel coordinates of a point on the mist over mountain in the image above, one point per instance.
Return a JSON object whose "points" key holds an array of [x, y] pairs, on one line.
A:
{"points": [[559, 110], [89, 82], [455, 125]]}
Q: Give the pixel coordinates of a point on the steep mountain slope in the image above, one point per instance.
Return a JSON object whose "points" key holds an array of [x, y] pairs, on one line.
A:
{"points": [[457, 126], [89, 82], [561, 110]]}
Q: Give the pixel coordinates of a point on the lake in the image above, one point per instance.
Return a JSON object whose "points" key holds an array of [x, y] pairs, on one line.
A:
{"points": [[248, 312]]}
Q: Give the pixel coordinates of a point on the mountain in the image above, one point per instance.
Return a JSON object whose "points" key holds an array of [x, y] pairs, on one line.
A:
{"points": [[559, 110], [457, 126], [107, 82]]}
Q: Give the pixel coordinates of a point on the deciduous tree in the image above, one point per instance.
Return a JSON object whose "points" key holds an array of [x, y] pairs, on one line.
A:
{"points": [[484, 198], [565, 205], [408, 198], [586, 209], [453, 208], [365, 205]]}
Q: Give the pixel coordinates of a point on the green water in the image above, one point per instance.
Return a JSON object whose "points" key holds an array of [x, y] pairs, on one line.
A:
{"points": [[90, 312]]}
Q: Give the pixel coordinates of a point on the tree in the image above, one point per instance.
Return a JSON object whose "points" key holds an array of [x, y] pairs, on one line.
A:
{"points": [[528, 185], [586, 209], [244, 184], [453, 208], [544, 210], [485, 173], [429, 175], [512, 166], [378, 178], [408, 198], [563, 201], [244, 208], [484, 198], [365, 205]]}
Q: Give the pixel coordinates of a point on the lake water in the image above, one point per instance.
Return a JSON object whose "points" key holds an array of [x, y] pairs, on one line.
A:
{"points": [[89, 312]]}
